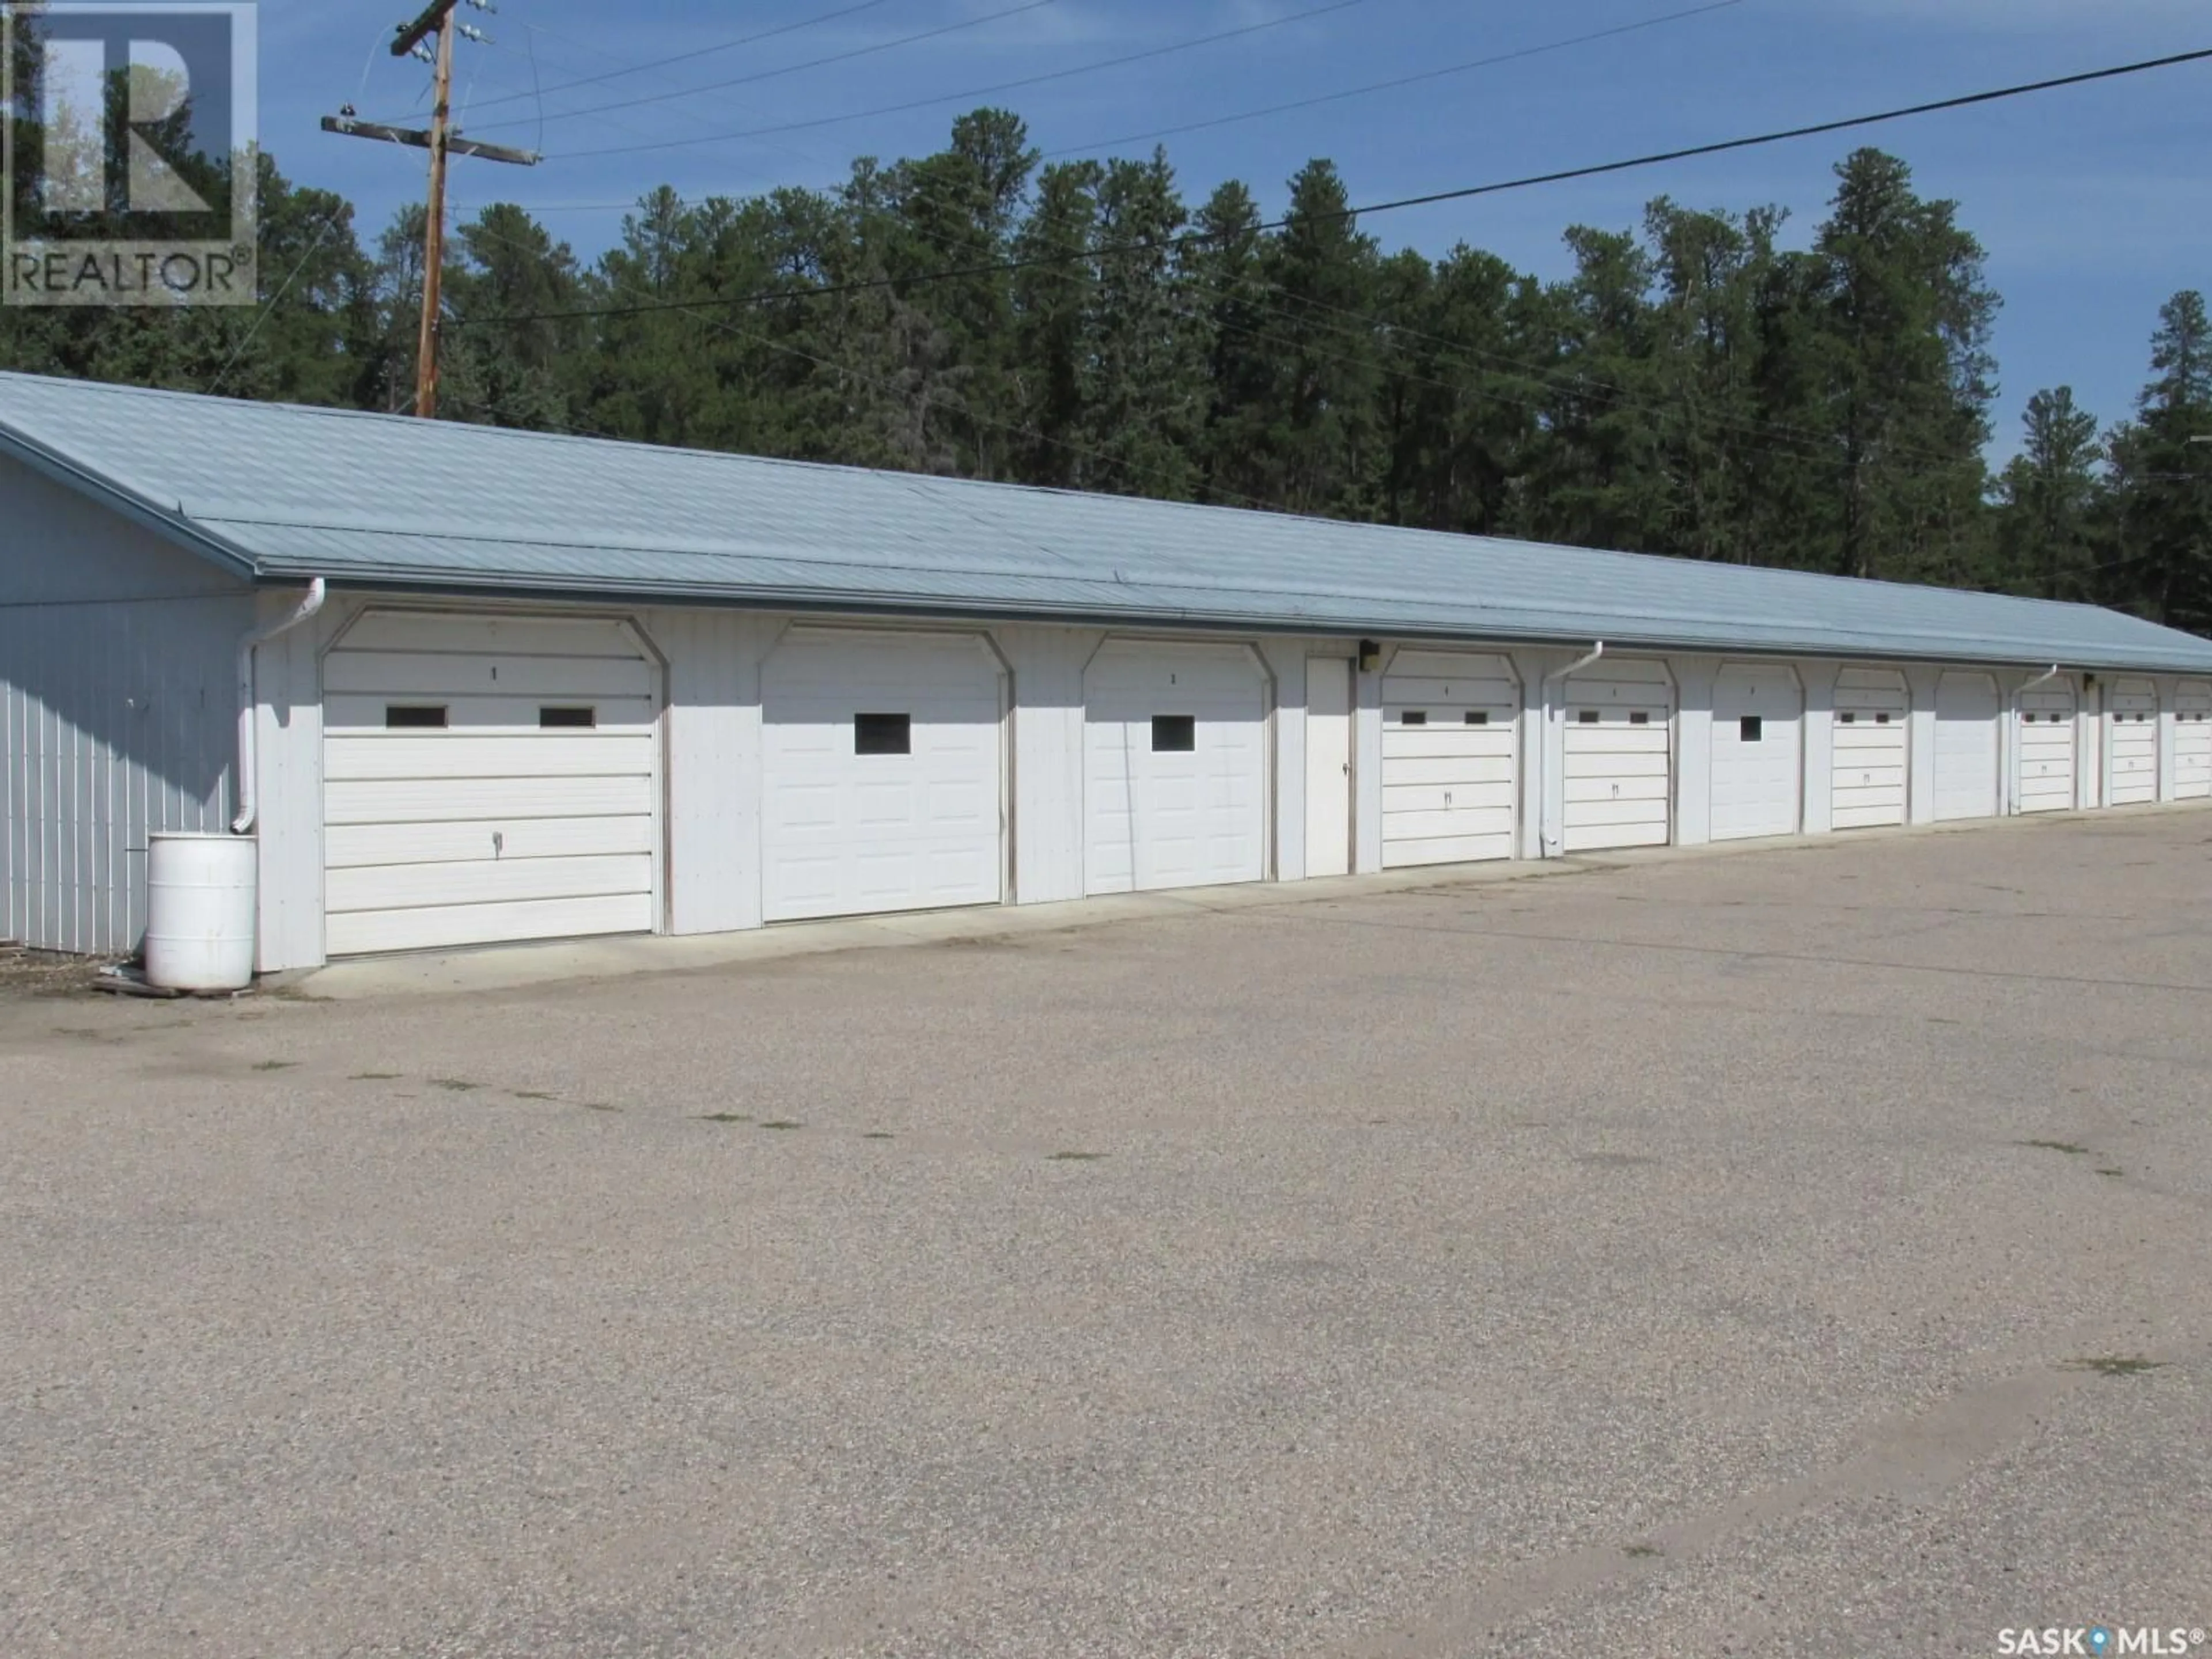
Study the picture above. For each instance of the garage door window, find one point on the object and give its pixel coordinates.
(1478, 717)
(1414, 717)
(415, 717)
(883, 734)
(1175, 734)
(568, 717)
(1752, 728)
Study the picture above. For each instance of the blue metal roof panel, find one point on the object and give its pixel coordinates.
(398, 502)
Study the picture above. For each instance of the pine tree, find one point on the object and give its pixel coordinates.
(1318, 436)
(1901, 343)
(2164, 477)
(1054, 298)
(2049, 500)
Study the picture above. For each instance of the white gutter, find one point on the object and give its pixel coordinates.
(2044, 678)
(1549, 840)
(248, 808)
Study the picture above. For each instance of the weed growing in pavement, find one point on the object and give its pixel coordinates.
(2118, 1365)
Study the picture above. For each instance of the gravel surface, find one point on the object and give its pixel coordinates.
(1791, 1252)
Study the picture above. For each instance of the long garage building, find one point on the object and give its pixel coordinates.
(466, 686)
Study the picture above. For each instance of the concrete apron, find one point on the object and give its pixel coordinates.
(508, 967)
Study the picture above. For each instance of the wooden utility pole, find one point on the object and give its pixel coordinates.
(441, 140)
(434, 227)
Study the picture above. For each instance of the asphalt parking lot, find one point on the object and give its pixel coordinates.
(1805, 1251)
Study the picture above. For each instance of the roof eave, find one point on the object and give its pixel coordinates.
(171, 524)
(402, 579)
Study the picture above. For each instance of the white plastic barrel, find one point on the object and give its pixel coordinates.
(199, 912)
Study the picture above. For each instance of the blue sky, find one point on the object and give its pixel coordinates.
(2093, 204)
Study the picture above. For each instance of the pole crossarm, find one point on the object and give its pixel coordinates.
(348, 127)
(412, 34)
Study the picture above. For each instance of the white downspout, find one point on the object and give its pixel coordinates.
(2011, 739)
(248, 807)
(1548, 838)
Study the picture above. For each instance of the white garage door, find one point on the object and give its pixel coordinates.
(1759, 722)
(1619, 773)
(2193, 740)
(2134, 705)
(879, 773)
(486, 779)
(1966, 708)
(1450, 736)
(2046, 747)
(1868, 772)
(1174, 775)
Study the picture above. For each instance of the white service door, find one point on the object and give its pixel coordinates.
(1619, 772)
(1868, 769)
(2133, 716)
(2193, 740)
(1174, 768)
(1328, 766)
(1759, 722)
(1966, 710)
(486, 779)
(879, 773)
(2046, 747)
(1450, 742)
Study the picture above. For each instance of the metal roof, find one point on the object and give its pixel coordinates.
(281, 493)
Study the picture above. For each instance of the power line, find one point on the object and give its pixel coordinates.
(1401, 81)
(976, 22)
(1429, 199)
(539, 32)
(687, 56)
(996, 87)
(330, 223)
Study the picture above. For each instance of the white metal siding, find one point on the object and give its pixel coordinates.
(494, 828)
(118, 711)
(1619, 749)
(2046, 747)
(1869, 748)
(1966, 711)
(116, 721)
(2193, 740)
(2134, 761)
(1157, 819)
(850, 833)
(1758, 745)
(1451, 744)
